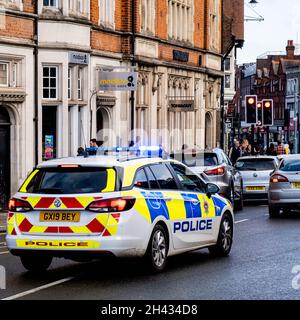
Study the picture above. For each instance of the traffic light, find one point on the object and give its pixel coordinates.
(251, 116)
(268, 112)
(259, 114)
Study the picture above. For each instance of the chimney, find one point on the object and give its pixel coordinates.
(290, 49)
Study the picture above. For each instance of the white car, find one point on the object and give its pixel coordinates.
(85, 207)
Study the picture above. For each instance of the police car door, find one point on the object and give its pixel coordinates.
(198, 226)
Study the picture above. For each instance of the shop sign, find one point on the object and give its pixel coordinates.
(117, 81)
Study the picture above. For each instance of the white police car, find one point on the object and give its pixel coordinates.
(85, 207)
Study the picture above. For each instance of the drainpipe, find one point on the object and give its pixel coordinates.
(133, 63)
(36, 96)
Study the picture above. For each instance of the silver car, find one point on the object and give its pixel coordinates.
(214, 166)
(284, 191)
(256, 171)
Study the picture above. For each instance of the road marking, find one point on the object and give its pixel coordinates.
(46, 286)
(241, 221)
(4, 252)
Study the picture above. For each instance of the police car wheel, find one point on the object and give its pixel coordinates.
(157, 249)
(36, 263)
(223, 246)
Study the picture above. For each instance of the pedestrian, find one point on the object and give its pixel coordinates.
(246, 148)
(291, 146)
(280, 149)
(286, 148)
(235, 152)
(93, 143)
(271, 151)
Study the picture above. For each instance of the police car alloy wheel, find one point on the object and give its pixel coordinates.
(223, 246)
(36, 263)
(158, 249)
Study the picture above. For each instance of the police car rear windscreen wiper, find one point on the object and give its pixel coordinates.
(49, 190)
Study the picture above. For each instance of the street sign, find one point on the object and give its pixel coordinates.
(79, 58)
(117, 81)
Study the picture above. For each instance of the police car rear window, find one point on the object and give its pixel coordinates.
(72, 181)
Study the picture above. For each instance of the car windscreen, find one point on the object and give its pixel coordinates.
(206, 159)
(72, 180)
(290, 166)
(255, 164)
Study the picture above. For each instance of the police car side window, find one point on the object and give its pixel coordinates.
(152, 181)
(164, 177)
(141, 180)
(188, 180)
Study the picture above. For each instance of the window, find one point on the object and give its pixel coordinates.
(214, 24)
(227, 64)
(3, 74)
(69, 83)
(180, 20)
(141, 180)
(50, 83)
(79, 84)
(188, 180)
(148, 16)
(227, 81)
(14, 74)
(79, 7)
(50, 3)
(255, 164)
(107, 13)
(164, 177)
(152, 181)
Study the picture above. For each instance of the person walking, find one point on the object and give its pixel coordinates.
(271, 151)
(280, 149)
(246, 148)
(235, 152)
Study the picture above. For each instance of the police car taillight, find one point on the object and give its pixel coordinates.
(276, 178)
(112, 205)
(17, 205)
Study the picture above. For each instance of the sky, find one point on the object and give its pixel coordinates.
(281, 22)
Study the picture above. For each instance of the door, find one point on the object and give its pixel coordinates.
(198, 227)
(4, 158)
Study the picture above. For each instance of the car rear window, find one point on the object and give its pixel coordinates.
(255, 164)
(72, 180)
(197, 159)
(292, 166)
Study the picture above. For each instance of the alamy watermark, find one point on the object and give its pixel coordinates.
(2, 278)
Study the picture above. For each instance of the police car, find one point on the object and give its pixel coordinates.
(82, 208)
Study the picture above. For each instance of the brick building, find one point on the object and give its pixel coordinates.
(51, 53)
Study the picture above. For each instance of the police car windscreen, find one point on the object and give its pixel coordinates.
(206, 159)
(69, 180)
(255, 164)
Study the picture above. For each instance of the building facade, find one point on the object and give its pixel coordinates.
(51, 55)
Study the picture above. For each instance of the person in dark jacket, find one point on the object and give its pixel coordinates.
(235, 152)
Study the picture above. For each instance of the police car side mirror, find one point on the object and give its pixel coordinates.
(211, 189)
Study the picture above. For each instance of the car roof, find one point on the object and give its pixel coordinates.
(101, 161)
(258, 157)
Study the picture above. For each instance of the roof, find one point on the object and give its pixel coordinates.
(258, 157)
(99, 161)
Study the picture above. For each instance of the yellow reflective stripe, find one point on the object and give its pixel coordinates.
(19, 218)
(140, 203)
(81, 229)
(33, 200)
(112, 230)
(112, 221)
(176, 206)
(11, 220)
(38, 229)
(129, 173)
(10, 228)
(111, 181)
(85, 201)
(26, 183)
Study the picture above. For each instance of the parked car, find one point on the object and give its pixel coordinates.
(284, 191)
(214, 166)
(256, 171)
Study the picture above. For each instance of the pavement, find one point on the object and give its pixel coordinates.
(264, 264)
(3, 216)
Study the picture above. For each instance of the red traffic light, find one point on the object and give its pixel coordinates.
(267, 104)
(259, 105)
(250, 100)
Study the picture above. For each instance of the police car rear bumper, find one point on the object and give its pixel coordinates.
(68, 246)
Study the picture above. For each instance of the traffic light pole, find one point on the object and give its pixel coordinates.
(252, 139)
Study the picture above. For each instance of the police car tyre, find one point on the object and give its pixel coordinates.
(274, 212)
(224, 244)
(36, 263)
(157, 252)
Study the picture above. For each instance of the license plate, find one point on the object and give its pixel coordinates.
(296, 185)
(255, 188)
(59, 216)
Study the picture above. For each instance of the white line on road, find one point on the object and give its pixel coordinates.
(46, 286)
(241, 221)
(4, 252)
